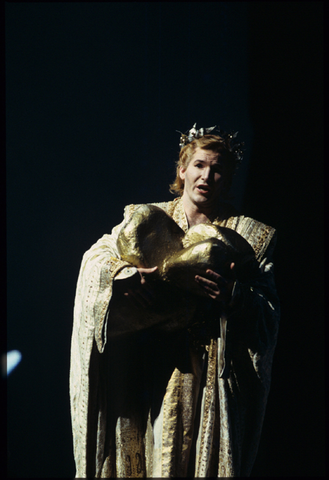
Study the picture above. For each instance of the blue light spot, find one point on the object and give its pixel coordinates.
(13, 359)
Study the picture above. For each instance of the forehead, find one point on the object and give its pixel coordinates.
(206, 156)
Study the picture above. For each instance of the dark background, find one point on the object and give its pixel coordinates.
(94, 94)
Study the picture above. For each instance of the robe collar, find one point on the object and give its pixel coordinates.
(221, 213)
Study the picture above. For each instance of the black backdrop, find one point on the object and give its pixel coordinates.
(94, 94)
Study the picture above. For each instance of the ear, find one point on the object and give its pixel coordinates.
(182, 171)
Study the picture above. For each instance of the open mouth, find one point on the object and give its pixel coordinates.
(203, 189)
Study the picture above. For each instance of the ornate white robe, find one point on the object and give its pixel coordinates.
(153, 404)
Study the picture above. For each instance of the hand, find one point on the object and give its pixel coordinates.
(142, 294)
(217, 287)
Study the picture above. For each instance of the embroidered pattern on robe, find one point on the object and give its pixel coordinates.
(190, 421)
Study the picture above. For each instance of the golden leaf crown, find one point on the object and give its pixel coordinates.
(193, 133)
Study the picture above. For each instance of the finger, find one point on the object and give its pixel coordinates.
(214, 294)
(219, 278)
(146, 283)
(232, 271)
(147, 270)
(144, 272)
(206, 281)
(210, 288)
(218, 294)
(213, 274)
(211, 291)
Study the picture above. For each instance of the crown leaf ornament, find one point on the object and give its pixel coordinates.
(194, 133)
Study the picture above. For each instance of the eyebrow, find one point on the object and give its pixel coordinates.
(203, 161)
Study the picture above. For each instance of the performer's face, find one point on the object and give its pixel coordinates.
(203, 178)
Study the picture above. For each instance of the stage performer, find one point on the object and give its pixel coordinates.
(175, 324)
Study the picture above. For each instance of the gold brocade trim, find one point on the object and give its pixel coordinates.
(179, 215)
(225, 458)
(170, 419)
(228, 222)
(107, 274)
(189, 399)
(130, 209)
(256, 233)
(178, 421)
(175, 210)
(209, 413)
(130, 453)
(264, 241)
(148, 447)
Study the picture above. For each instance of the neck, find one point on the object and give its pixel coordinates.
(194, 213)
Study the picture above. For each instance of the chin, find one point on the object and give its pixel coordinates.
(208, 202)
(205, 202)
(201, 199)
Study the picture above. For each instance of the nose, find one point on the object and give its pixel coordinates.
(206, 174)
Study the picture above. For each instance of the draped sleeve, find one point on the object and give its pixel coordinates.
(101, 264)
(252, 330)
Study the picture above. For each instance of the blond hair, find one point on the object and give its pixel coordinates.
(214, 143)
